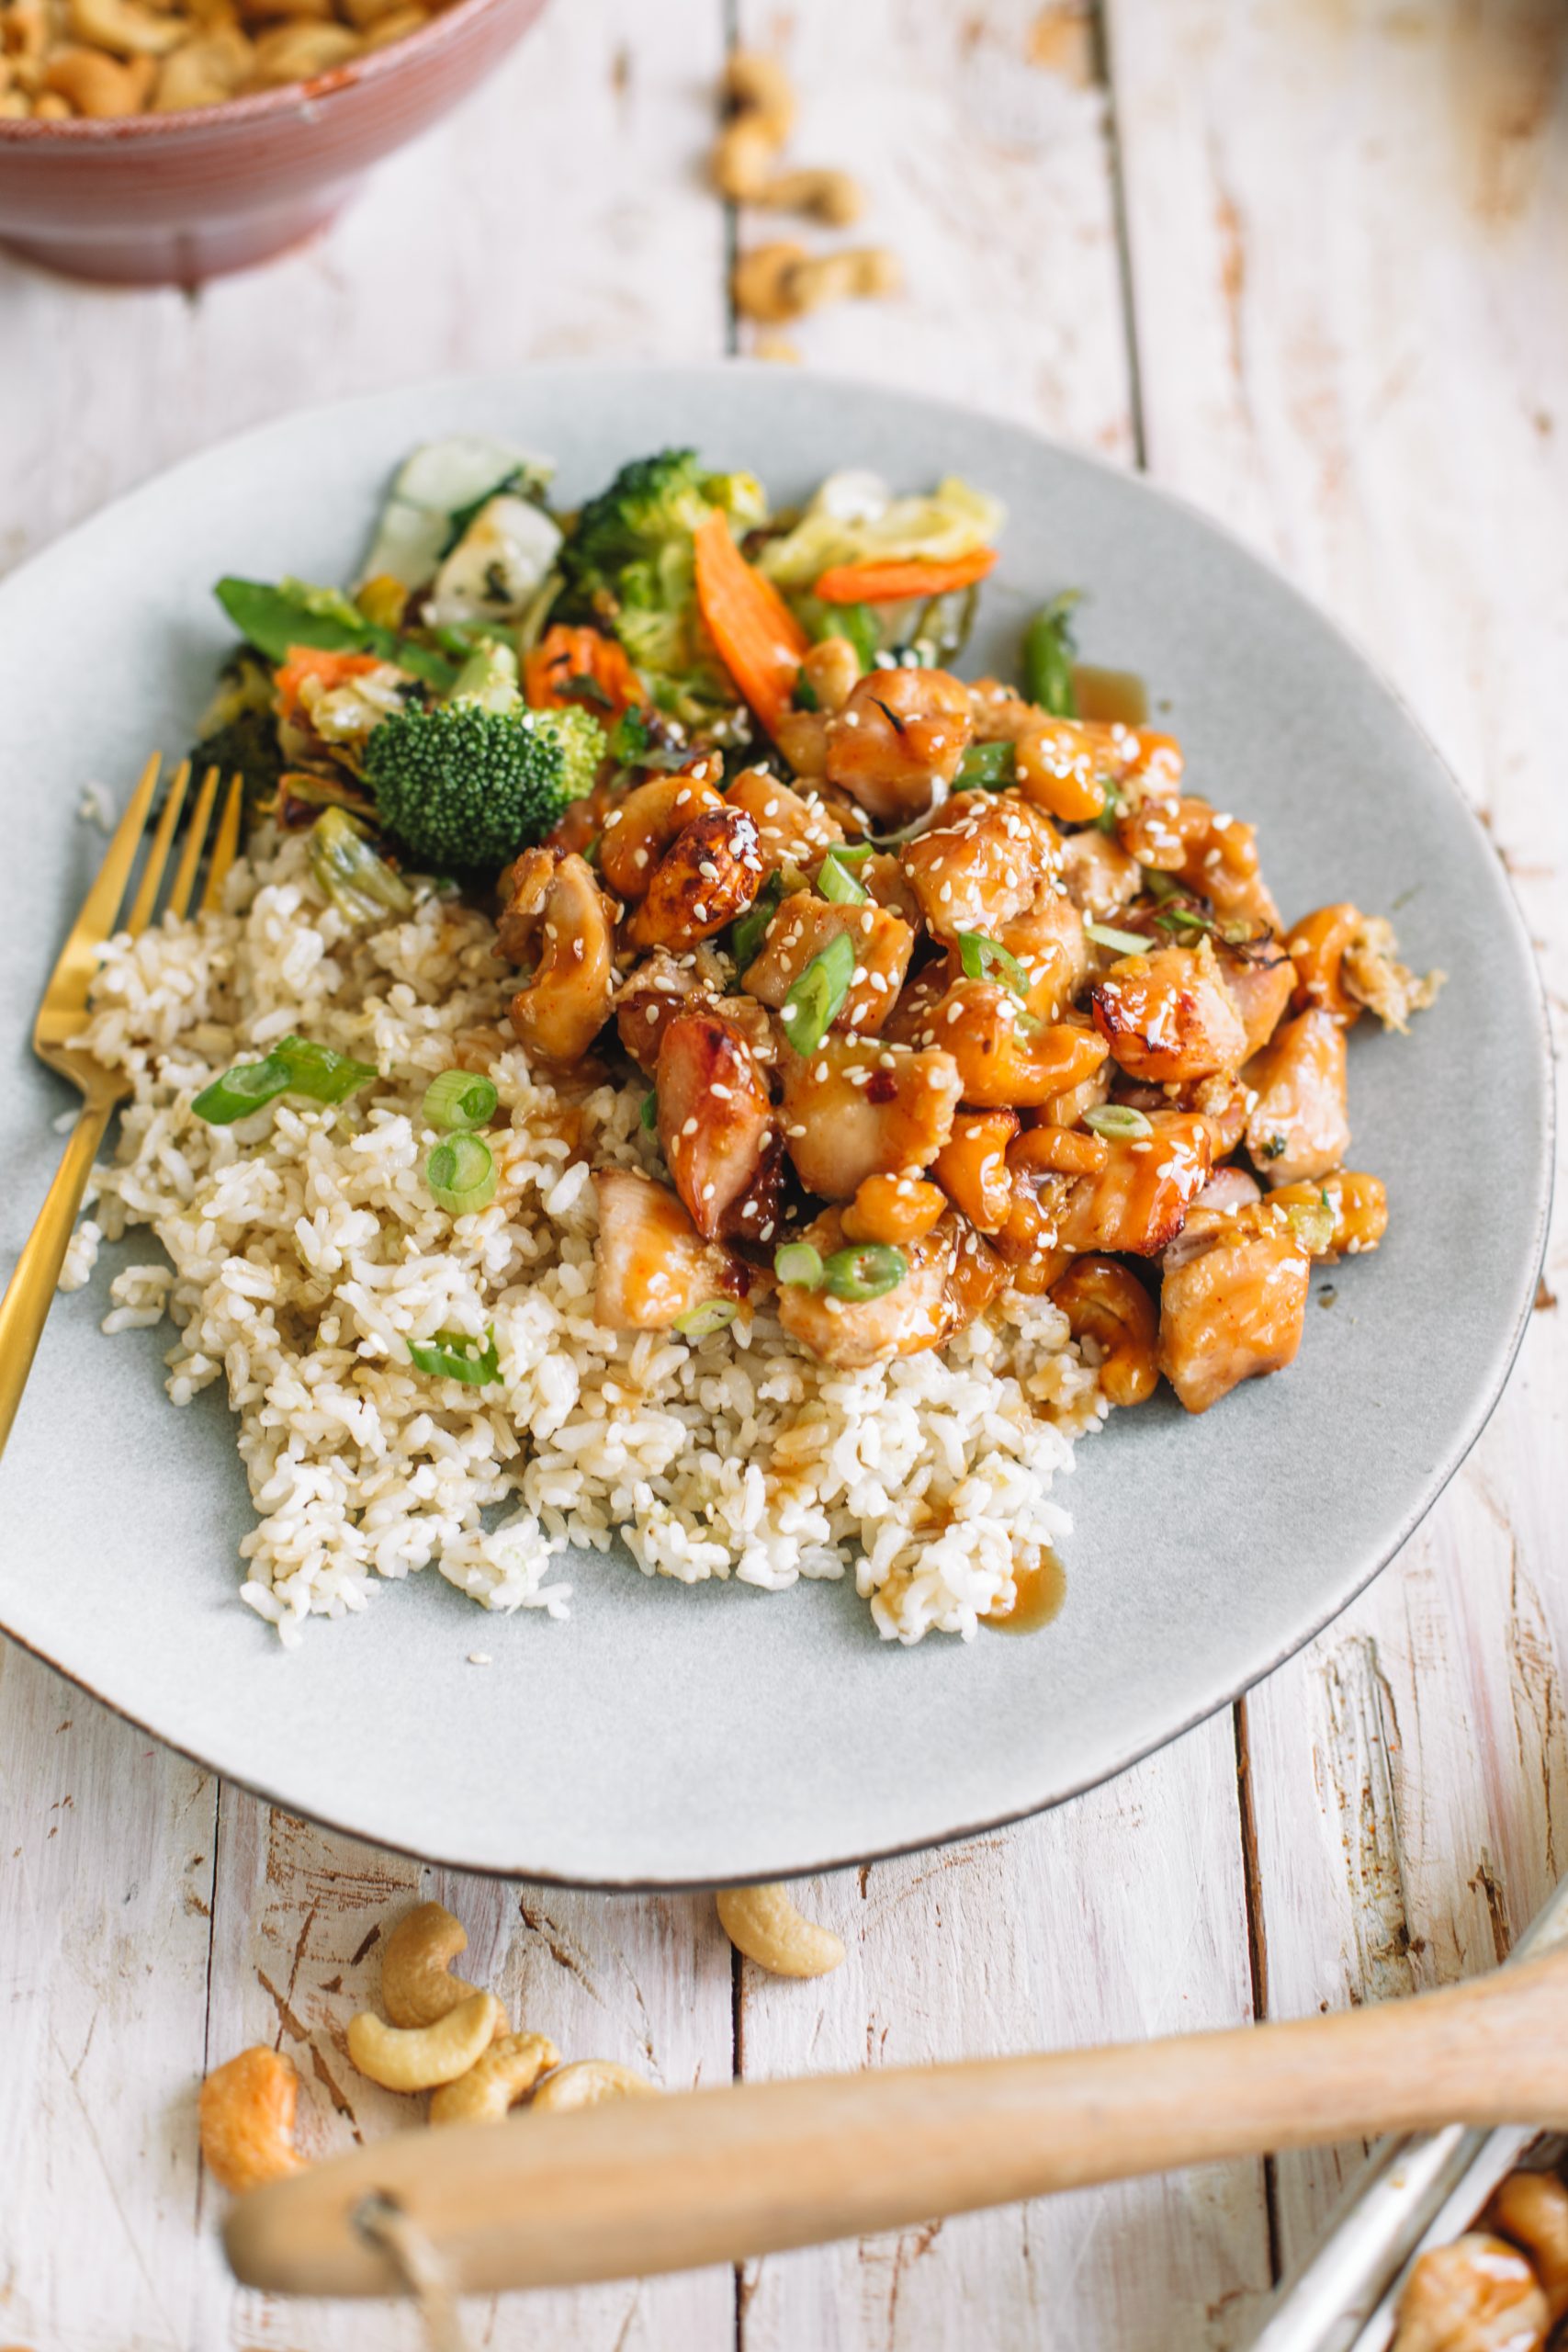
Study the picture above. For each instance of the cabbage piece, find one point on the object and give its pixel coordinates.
(497, 566)
(854, 518)
(435, 492)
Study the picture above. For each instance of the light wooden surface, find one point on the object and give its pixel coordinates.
(1306, 261)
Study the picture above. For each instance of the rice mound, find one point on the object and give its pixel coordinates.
(306, 1251)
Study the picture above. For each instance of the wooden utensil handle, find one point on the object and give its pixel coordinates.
(714, 2176)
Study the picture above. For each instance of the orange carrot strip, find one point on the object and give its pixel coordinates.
(563, 654)
(892, 582)
(759, 642)
(316, 661)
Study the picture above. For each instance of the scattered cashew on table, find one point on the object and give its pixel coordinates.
(444, 2035)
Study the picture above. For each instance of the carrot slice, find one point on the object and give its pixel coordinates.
(554, 673)
(316, 661)
(759, 642)
(892, 582)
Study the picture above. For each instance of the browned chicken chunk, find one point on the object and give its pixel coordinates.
(1299, 1127)
(982, 861)
(1169, 1016)
(1478, 2294)
(853, 1110)
(899, 738)
(716, 1121)
(654, 1266)
(1236, 1304)
(1260, 983)
(802, 929)
(793, 827)
(1138, 1201)
(917, 1313)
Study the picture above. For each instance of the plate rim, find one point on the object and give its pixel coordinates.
(1137, 478)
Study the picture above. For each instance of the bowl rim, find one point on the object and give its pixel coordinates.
(300, 98)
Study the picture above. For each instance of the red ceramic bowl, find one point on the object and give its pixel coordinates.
(157, 200)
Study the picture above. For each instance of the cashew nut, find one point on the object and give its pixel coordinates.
(763, 1923)
(757, 87)
(416, 2058)
(416, 1988)
(1103, 1302)
(506, 2072)
(784, 281)
(588, 2082)
(300, 50)
(742, 158)
(97, 86)
(638, 832)
(204, 72)
(834, 196)
(49, 107)
(558, 912)
(123, 28)
(246, 2113)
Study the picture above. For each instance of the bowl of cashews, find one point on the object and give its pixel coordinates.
(166, 142)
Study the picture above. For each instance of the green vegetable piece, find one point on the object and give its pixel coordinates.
(817, 998)
(240, 1091)
(797, 1263)
(858, 623)
(649, 1114)
(487, 678)
(460, 1174)
(1313, 1225)
(273, 619)
(1048, 658)
(805, 696)
(1125, 943)
(452, 1355)
(837, 884)
(319, 1072)
(869, 1270)
(459, 1098)
(986, 767)
(982, 956)
(462, 787)
(703, 1321)
(352, 872)
(1118, 1122)
(747, 930)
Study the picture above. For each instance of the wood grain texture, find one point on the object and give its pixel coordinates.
(1348, 354)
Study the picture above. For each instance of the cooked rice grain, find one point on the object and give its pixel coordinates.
(306, 1252)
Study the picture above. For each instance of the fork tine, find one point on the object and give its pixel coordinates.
(195, 837)
(223, 848)
(101, 904)
(146, 897)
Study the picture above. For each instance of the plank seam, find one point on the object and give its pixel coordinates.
(1105, 73)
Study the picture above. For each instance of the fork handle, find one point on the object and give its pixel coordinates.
(29, 1293)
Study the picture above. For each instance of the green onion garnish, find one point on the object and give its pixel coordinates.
(797, 1263)
(703, 1321)
(1118, 1122)
(1112, 810)
(985, 766)
(453, 1355)
(747, 930)
(836, 882)
(867, 1271)
(1313, 1223)
(459, 1097)
(1048, 658)
(649, 1114)
(980, 957)
(460, 1174)
(1125, 943)
(806, 697)
(851, 853)
(316, 1070)
(817, 998)
(239, 1091)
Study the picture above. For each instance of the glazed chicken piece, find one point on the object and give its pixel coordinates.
(916, 1314)
(897, 739)
(1063, 763)
(1048, 941)
(1006, 1059)
(654, 1266)
(1214, 855)
(1477, 2295)
(1138, 1201)
(982, 861)
(1299, 1127)
(882, 877)
(803, 927)
(793, 828)
(1234, 1306)
(1260, 982)
(716, 1121)
(853, 1110)
(1100, 878)
(1169, 1017)
(711, 872)
(663, 986)
(557, 920)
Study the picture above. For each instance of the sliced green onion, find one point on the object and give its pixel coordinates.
(1118, 1122)
(805, 696)
(851, 853)
(1313, 1223)
(453, 1355)
(749, 930)
(797, 1263)
(980, 957)
(460, 1174)
(355, 876)
(703, 1321)
(817, 998)
(988, 767)
(239, 1091)
(1125, 943)
(318, 1071)
(837, 884)
(1113, 807)
(867, 1271)
(459, 1098)
(649, 1114)
(1048, 658)
(1172, 918)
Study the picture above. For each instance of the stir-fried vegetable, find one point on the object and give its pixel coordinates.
(460, 1174)
(893, 581)
(352, 871)
(293, 1065)
(275, 620)
(453, 1355)
(761, 641)
(817, 998)
(459, 1098)
(1048, 658)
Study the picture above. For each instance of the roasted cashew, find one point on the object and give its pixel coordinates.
(833, 196)
(742, 158)
(204, 72)
(1104, 1302)
(502, 2074)
(298, 50)
(419, 2057)
(763, 1923)
(639, 829)
(589, 2082)
(558, 907)
(416, 1988)
(784, 281)
(756, 88)
(247, 2112)
(98, 86)
(123, 28)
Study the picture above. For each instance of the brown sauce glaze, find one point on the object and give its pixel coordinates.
(1041, 1592)
(1111, 694)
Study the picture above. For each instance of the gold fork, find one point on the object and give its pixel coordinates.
(63, 1015)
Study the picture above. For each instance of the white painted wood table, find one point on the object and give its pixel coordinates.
(1305, 263)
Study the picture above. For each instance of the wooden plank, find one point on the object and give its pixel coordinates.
(1370, 384)
(106, 1878)
(987, 164)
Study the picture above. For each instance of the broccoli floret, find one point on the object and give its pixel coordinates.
(462, 787)
(630, 564)
(247, 742)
